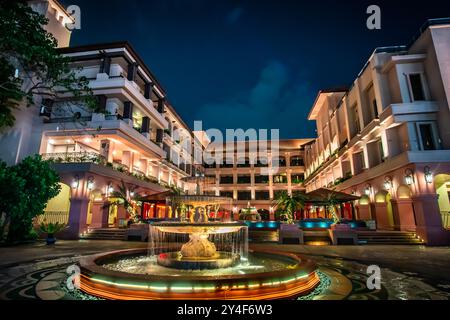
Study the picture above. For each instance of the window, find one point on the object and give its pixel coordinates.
(243, 163)
(297, 162)
(381, 151)
(426, 134)
(355, 119)
(226, 180)
(226, 194)
(415, 82)
(244, 180)
(227, 163)
(280, 179)
(261, 162)
(297, 178)
(262, 195)
(375, 108)
(280, 162)
(244, 195)
(261, 179)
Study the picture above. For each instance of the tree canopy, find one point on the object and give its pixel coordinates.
(30, 64)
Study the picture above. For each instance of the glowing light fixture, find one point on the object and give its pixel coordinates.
(75, 182)
(368, 189)
(388, 183)
(409, 177)
(428, 175)
(110, 188)
(90, 183)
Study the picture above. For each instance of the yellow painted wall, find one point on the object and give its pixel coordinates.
(61, 202)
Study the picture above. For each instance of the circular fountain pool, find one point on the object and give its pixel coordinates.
(197, 260)
(133, 274)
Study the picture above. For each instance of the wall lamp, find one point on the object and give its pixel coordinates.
(409, 177)
(428, 175)
(367, 189)
(90, 183)
(388, 183)
(110, 188)
(75, 182)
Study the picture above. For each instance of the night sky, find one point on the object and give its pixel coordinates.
(251, 64)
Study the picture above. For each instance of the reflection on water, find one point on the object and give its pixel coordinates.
(147, 265)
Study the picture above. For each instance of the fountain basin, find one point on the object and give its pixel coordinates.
(220, 260)
(294, 277)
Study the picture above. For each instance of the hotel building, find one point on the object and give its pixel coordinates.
(387, 138)
(136, 136)
(252, 175)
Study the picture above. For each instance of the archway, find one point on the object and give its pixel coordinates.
(442, 183)
(363, 208)
(57, 209)
(403, 210)
(383, 210)
(95, 196)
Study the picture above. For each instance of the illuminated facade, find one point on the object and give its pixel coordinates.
(253, 177)
(386, 138)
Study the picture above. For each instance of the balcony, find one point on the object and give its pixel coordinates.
(90, 161)
(403, 112)
(129, 89)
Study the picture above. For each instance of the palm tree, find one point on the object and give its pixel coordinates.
(331, 204)
(289, 204)
(124, 198)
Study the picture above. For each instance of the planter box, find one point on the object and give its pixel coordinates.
(290, 234)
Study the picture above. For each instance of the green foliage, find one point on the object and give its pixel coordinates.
(25, 190)
(288, 204)
(123, 198)
(30, 64)
(52, 228)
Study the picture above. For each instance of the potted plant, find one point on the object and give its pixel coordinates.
(51, 229)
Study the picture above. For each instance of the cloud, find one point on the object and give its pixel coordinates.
(234, 15)
(276, 101)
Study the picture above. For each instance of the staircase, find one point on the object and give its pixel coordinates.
(388, 237)
(105, 234)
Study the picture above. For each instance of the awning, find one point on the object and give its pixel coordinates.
(322, 196)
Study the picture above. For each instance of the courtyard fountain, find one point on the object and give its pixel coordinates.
(195, 258)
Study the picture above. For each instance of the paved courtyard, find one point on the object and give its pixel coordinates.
(408, 272)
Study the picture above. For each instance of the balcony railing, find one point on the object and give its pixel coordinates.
(61, 217)
(75, 157)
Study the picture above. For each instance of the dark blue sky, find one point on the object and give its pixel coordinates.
(251, 64)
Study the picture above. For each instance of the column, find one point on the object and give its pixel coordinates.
(146, 127)
(132, 71)
(128, 112)
(403, 214)
(106, 150)
(105, 67)
(77, 218)
(429, 220)
(148, 88)
(100, 115)
(127, 160)
(412, 136)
